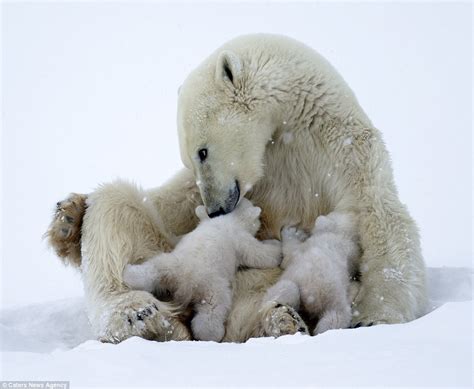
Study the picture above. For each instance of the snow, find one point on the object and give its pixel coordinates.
(53, 341)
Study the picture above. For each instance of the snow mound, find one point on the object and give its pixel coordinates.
(45, 327)
(54, 341)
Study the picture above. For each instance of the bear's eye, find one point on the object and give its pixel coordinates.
(202, 154)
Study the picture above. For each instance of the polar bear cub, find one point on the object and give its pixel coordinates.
(201, 268)
(317, 271)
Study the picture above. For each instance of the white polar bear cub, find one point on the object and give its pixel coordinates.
(317, 271)
(201, 268)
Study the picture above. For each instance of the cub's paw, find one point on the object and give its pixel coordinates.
(273, 243)
(273, 252)
(64, 232)
(138, 277)
(205, 327)
(293, 233)
(138, 313)
(333, 320)
(281, 320)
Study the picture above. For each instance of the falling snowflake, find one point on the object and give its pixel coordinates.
(348, 141)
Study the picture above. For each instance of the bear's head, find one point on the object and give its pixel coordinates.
(224, 125)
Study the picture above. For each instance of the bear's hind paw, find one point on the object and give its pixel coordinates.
(282, 320)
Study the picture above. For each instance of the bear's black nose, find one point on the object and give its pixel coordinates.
(227, 205)
(217, 213)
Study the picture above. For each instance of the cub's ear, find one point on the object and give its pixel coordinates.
(258, 211)
(254, 212)
(228, 69)
(201, 212)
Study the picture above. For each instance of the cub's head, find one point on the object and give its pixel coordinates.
(224, 124)
(246, 215)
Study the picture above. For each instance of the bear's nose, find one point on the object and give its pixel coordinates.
(217, 213)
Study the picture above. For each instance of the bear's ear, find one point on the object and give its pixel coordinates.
(201, 212)
(229, 68)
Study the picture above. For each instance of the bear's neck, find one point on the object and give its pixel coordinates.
(304, 159)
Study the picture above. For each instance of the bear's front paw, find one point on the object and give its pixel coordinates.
(281, 320)
(138, 313)
(64, 232)
(374, 309)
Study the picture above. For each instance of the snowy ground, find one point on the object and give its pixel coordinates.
(53, 341)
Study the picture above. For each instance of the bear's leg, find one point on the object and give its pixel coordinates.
(121, 226)
(211, 314)
(392, 288)
(175, 201)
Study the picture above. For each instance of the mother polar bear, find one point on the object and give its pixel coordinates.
(268, 118)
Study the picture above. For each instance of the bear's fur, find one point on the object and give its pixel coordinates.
(317, 271)
(202, 267)
(281, 127)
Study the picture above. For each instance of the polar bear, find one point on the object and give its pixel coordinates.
(317, 271)
(268, 118)
(201, 268)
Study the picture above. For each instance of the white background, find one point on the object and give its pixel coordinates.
(89, 94)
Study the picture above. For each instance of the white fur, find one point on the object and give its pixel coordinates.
(202, 267)
(317, 271)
